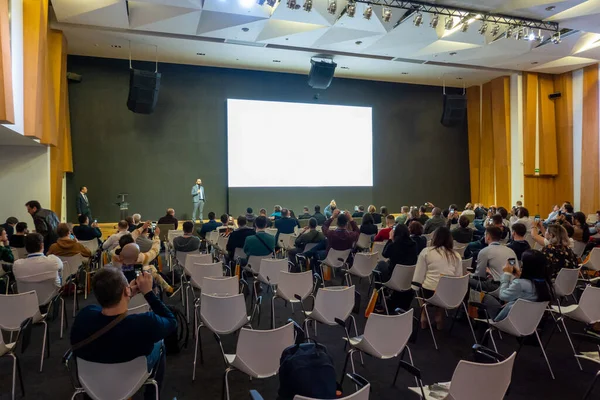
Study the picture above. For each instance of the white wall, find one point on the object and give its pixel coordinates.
(24, 176)
(16, 45)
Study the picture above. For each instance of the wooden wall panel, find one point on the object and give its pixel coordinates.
(474, 128)
(590, 174)
(563, 189)
(530, 87)
(501, 138)
(548, 158)
(35, 20)
(486, 157)
(7, 107)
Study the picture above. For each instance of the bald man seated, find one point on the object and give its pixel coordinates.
(169, 219)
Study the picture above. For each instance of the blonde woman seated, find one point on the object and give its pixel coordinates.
(433, 262)
(556, 247)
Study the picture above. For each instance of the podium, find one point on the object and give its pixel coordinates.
(123, 204)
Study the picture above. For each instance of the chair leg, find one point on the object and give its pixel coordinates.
(345, 367)
(589, 391)
(43, 345)
(420, 384)
(362, 361)
(544, 353)
(198, 343)
(469, 321)
(273, 311)
(62, 316)
(571, 343)
(493, 341)
(74, 299)
(226, 384)
(382, 294)
(430, 327)
(14, 376)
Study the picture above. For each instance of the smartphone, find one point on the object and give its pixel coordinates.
(537, 218)
(139, 269)
(452, 211)
(95, 221)
(512, 261)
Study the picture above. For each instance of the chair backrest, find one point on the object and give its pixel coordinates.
(200, 271)
(364, 264)
(271, 231)
(466, 264)
(578, 248)
(239, 253)
(91, 245)
(255, 261)
(172, 234)
(333, 257)
(260, 350)
(196, 258)
(286, 240)
(137, 300)
(309, 246)
(223, 314)
(364, 241)
(303, 222)
(526, 315)
(378, 248)
(388, 334)
(590, 299)
(164, 231)
(45, 289)
(144, 308)
(270, 268)
(112, 381)
(290, 284)
(481, 381)
(362, 394)
(451, 290)
(71, 265)
(402, 276)
(593, 261)
(335, 302)
(460, 248)
(16, 308)
(221, 285)
(222, 242)
(566, 280)
(212, 237)
(428, 236)
(18, 253)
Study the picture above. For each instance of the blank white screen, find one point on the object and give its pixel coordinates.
(276, 144)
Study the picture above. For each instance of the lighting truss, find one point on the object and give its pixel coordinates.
(461, 12)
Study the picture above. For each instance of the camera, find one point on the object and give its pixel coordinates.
(138, 269)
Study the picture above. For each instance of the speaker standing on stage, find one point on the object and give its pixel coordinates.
(83, 204)
(198, 198)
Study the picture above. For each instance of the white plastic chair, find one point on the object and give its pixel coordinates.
(254, 262)
(566, 281)
(270, 269)
(286, 241)
(467, 265)
(588, 309)
(144, 308)
(8, 349)
(363, 266)
(378, 248)
(363, 242)
(578, 248)
(222, 315)
(16, 308)
(460, 249)
(593, 262)
(289, 285)
(238, 253)
(46, 292)
(449, 295)
(18, 253)
(331, 303)
(400, 281)
(113, 381)
(172, 234)
(334, 259)
(309, 246)
(197, 274)
(187, 260)
(258, 353)
(91, 245)
(71, 266)
(222, 243)
(522, 320)
(271, 231)
(221, 285)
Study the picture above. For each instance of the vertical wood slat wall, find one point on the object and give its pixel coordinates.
(501, 133)
(590, 168)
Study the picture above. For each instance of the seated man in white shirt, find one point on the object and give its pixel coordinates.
(491, 261)
(113, 241)
(37, 267)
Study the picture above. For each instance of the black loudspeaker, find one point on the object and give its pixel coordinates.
(143, 91)
(553, 96)
(455, 109)
(321, 74)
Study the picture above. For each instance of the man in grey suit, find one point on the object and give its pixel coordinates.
(198, 199)
(83, 204)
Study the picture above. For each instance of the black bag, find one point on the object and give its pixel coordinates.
(178, 339)
(306, 369)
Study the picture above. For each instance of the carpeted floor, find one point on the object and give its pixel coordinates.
(531, 379)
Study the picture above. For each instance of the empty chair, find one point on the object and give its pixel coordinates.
(258, 353)
(113, 381)
(522, 320)
(578, 248)
(566, 281)
(331, 303)
(164, 231)
(8, 349)
(47, 294)
(91, 245)
(400, 281)
(139, 309)
(69, 277)
(378, 248)
(448, 295)
(181, 257)
(269, 270)
(593, 262)
(335, 259)
(363, 266)
(222, 315)
(254, 262)
(289, 286)
(221, 285)
(197, 274)
(363, 242)
(238, 253)
(222, 243)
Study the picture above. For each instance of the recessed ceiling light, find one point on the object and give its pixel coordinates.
(276, 61)
(116, 46)
(200, 54)
(404, 73)
(245, 29)
(358, 42)
(550, 8)
(344, 68)
(452, 53)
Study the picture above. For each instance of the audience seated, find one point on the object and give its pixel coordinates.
(225, 227)
(305, 214)
(169, 218)
(518, 244)
(330, 208)
(66, 246)
(263, 213)
(318, 216)
(285, 224)
(45, 222)
(368, 226)
(528, 282)
(462, 233)
(37, 267)
(276, 212)
(403, 217)
(491, 261)
(377, 219)
(9, 226)
(480, 211)
(137, 221)
(553, 214)
(237, 238)
(473, 248)
(86, 232)
(468, 212)
(188, 242)
(345, 235)
(581, 230)
(413, 215)
(261, 244)
(309, 234)
(433, 262)
(596, 228)
(359, 213)
(250, 216)
(416, 234)
(383, 210)
(18, 238)
(557, 247)
(6, 254)
(209, 226)
(399, 249)
(435, 221)
(129, 336)
(384, 233)
(567, 211)
(144, 241)
(113, 240)
(130, 224)
(522, 217)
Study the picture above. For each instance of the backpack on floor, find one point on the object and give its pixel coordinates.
(306, 369)
(178, 339)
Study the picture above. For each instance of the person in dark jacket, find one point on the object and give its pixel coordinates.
(169, 218)
(416, 234)
(518, 244)
(400, 249)
(45, 222)
(368, 226)
(462, 233)
(9, 226)
(321, 218)
(238, 237)
(86, 232)
(305, 214)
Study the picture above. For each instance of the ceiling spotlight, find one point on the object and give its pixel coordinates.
(351, 9)
(386, 15)
(368, 12)
(291, 4)
(449, 23)
(464, 27)
(531, 37)
(332, 7)
(495, 30)
(509, 32)
(540, 36)
(271, 3)
(434, 21)
(556, 38)
(520, 33)
(418, 19)
(483, 28)
(308, 5)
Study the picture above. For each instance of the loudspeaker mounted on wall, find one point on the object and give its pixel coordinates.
(321, 72)
(455, 109)
(143, 91)
(553, 96)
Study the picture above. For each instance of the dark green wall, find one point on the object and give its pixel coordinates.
(156, 158)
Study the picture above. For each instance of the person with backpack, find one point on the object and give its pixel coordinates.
(106, 334)
(261, 244)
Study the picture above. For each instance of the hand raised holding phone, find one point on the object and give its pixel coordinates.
(144, 282)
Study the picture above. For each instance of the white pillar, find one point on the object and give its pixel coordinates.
(577, 135)
(516, 138)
